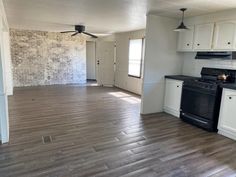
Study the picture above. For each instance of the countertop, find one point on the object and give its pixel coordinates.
(229, 86)
(180, 77)
(184, 78)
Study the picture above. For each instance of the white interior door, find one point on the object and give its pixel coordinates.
(105, 63)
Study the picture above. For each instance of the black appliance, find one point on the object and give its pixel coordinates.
(200, 103)
(216, 55)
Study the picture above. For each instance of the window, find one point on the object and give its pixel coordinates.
(135, 57)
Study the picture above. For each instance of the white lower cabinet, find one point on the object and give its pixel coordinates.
(173, 93)
(227, 118)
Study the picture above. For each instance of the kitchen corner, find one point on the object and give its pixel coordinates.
(206, 102)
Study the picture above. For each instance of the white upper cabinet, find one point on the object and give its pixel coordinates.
(224, 38)
(185, 42)
(215, 36)
(203, 37)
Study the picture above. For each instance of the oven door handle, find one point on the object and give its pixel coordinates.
(194, 118)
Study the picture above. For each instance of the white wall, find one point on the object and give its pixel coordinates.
(2, 62)
(8, 63)
(193, 67)
(91, 60)
(7, 84)
(111, 38)
(122, 80)
(160, 59)
(4, 120)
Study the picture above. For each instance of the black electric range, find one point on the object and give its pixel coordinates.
(201, 98)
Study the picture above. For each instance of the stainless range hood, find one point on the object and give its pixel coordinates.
(216, 55)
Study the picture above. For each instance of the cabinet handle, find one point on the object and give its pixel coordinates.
(198, 44)
(229, 43)
(178, 86)
(230, 98)
(187, 44)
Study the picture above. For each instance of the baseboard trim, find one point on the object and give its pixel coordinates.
(172, 112)
(151, 114)
(227, 134)
(91, 79)
(126, 90)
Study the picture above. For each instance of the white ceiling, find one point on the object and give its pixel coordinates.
(101, 16)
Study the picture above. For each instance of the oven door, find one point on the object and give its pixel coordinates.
(198, 103)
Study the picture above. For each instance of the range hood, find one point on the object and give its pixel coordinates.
(216, 55)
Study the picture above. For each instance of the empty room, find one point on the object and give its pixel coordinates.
(117, 88)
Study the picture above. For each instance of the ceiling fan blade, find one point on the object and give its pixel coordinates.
(75, 34)
(67, 31)
(90, 34)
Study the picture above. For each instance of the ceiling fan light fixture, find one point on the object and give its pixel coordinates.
(80, 29)
(182, 26)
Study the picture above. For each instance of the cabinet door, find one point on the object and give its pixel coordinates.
(227, 120)
(225, 35)
(173, 94)
(203, 37)
(185, 41)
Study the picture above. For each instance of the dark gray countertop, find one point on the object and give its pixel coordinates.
(180, 77)
(184, 78)
(229, 86)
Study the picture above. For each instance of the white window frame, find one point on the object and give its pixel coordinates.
(141, 62)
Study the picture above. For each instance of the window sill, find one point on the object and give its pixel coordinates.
(137, 77)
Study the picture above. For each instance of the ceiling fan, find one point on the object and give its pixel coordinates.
(78, 30)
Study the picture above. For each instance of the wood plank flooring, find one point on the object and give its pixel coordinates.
(98, 132)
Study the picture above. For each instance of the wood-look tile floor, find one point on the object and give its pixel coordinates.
(95, 131)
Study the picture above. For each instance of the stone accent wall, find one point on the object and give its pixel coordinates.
(47, 58)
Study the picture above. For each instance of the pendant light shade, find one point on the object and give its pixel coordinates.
(182, 26)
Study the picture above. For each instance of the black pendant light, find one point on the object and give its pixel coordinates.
(182, 26)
